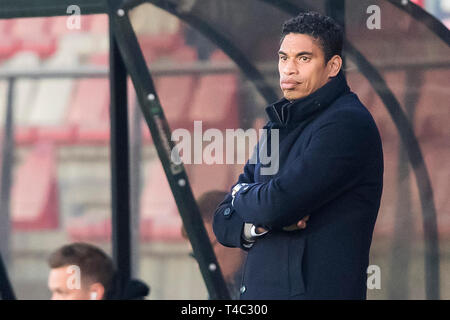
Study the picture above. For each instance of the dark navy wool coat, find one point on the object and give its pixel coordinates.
(330, 168)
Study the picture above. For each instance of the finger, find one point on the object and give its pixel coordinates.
(292, 227)
(260, 229)
(306, 218)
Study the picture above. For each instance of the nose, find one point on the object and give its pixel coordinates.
(289, 67)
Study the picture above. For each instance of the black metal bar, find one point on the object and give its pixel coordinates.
(6, 175)
(120, 175)
(46, 8)
(6, 290)
(159, 128)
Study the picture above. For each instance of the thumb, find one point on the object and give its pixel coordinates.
(301, 224)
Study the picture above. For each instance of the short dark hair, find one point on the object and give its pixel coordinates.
(322, 28)
(94, 264)
(208, 202)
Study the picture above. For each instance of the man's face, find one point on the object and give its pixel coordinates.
(301, 65)
(62, 285)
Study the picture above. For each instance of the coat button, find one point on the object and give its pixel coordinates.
(227, 212)
(243, 289)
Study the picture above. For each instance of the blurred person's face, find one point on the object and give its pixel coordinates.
(61, 285)
(229, 259)
(302, 66)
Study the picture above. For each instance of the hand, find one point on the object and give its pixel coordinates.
(297, 226)
(249, 235)
(261, 230)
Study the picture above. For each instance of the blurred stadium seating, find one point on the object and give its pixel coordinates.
(73, 113)
(35, 201)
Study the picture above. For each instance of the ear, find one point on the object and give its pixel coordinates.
(334, 66)
(96, 291)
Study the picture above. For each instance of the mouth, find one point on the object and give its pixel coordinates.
(288, 84)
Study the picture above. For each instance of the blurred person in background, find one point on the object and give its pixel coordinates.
(81, 271)
(230, 259)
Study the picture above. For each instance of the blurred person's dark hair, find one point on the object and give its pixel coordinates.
(208, 202)
(322, 28)
(96, 266)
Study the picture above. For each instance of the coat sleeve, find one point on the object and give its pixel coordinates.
(227, 225)
(332, 163)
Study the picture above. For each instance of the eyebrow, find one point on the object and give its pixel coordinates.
(301, 53)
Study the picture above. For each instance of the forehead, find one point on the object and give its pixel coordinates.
(58, 276)
(297, 42)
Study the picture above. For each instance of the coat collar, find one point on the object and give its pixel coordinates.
(285, 112)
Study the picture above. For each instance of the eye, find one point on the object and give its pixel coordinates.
(305, 58)
(284, 58)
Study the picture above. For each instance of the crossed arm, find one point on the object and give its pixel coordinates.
(330, 165)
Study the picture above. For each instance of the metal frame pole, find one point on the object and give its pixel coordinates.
(120, 173)
(6, 175)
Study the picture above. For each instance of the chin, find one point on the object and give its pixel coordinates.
(293, 95)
